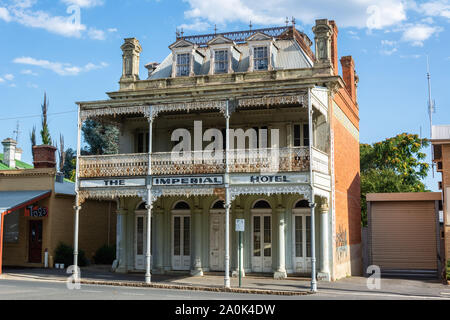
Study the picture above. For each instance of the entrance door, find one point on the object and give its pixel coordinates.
(35, 242)
(302, 243)
(140, 246)
(262, 243)
(181, 240)
(217, 242)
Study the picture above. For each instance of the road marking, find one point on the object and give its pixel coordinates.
(92, 291)
(446, 293)
(390, 295)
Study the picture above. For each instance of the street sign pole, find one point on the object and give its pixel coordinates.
(240, 260)
(240, 228)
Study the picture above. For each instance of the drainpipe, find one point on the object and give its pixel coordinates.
(312, 201)
(227, 200)
(148, 277)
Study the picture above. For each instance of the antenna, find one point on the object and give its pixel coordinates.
(17, 131)
(431, 103)
(431, 110)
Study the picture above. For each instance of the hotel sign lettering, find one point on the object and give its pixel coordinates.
(268, 179)
(188, 181)
(112, 183)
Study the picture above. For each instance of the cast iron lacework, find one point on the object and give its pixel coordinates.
(237, 36)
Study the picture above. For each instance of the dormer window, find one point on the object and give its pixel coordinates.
(221, 61)
(183, 64)
(260, 58)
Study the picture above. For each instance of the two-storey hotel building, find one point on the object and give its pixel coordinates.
(178, 213)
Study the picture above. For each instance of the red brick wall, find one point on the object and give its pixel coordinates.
(347, 187)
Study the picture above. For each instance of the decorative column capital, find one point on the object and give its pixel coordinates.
(77, 208)
(324, 208)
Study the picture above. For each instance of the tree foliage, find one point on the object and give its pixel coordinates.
(69, 164)
(101, 138)
(393, 165)
(45, 133)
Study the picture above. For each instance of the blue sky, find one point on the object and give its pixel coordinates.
(48, 46)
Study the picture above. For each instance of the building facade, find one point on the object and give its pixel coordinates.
(245, 125)
(36, 214)
(441, 156)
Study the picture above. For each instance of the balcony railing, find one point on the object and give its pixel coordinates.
(240, 161)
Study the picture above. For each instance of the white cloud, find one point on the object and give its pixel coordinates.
(9, 77)
(435, 8)
(63, 69)
(417, 34)
(28, 72)
(197, 25)
(84, 3)
(4, 14)
(23, 12)
(112, 30)
(351, 13)
(2, 80)
(96, 34)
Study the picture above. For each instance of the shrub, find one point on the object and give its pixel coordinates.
(105, 255)
(64, 254)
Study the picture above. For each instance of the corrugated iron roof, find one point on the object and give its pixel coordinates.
(10, 200)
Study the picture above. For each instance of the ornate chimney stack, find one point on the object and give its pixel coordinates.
(130, 71)
(323, 32)
(350, 77)
(9, 152)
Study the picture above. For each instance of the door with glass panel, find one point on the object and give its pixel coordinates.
(181, 242)
(302, 242)
(262, 243)
(140, 243)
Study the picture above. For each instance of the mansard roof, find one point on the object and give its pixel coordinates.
(289, 56)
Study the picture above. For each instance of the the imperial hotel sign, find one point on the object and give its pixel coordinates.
(253, 82)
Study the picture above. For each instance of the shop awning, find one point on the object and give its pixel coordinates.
(11, 201)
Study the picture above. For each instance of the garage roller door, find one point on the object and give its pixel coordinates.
(404, 236)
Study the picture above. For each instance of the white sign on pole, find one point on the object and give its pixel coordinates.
(240, 225)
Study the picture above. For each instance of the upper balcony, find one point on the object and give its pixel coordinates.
(240, 161)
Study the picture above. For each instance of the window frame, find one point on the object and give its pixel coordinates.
(225, 61)
(187, 66)
(256, 59)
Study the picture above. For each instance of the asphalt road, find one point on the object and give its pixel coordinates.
(41, 290)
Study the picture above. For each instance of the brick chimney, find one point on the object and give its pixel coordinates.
(9, 152)
(349, 75)
(334, 47)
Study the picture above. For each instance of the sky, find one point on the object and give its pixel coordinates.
(71, 50)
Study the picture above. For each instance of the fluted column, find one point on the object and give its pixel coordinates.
(281, 268)
(121, 261)
(324, 273)
(197, 270)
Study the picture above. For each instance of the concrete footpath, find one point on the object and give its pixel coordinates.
(252, 284)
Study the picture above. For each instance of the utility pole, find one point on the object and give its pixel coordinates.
(431, 110)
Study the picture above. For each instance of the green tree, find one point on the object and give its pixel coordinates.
(45, 133)
(70, 163)
(101, 138)
(393, 165)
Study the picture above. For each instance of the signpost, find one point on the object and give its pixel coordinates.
(240, 227)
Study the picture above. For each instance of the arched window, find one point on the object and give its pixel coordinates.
(182, 206)
(219, 205)
(262, 204)
(142, 206)
(302, 204)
